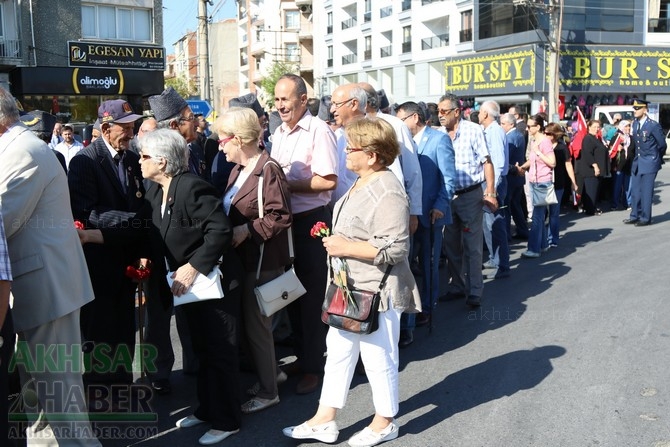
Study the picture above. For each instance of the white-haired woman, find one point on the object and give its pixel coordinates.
(186, 226)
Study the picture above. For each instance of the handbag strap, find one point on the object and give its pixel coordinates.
(261, 213)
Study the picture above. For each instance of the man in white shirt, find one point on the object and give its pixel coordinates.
(69, 146)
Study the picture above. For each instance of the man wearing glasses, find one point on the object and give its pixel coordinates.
(650, 147)
(106, 190)
(464, 237)
(304, 146)
(173, 112)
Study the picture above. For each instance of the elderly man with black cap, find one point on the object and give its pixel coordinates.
(650, 147)
(106, 190)
(173, 112)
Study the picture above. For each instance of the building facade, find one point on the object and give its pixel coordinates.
(275, 33)
(65, 57)
(610, 50)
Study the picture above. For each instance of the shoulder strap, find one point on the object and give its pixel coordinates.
(261, 213)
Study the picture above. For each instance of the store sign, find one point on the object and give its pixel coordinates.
(613, 69)
(97, 82)
(497, 72)
(103, 55)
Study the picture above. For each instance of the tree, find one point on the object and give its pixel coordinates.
(185, 88)
(276, 71)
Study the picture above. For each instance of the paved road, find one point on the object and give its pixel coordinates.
(572, 350)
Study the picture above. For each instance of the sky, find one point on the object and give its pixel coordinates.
(180, 16)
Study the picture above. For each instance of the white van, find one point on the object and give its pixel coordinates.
(605, 114)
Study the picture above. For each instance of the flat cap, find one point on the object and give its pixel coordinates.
(250, 101)
(167, 104)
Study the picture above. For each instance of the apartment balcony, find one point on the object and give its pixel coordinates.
(329, 29)
(367, 16)
(305, 31)
(386, 51)
(349, 23)
(329, 63)
(349, 59)
(258, 48)
(385, 11)
(406, 4)
(367, 55)
(406, 47)
(435, 42)
(10, 51)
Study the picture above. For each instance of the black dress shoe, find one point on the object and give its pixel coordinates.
(474, 301)
(641, 223)
(630, 221)
(449, 296)
(406, 338)
(422, 319)
(161, 386)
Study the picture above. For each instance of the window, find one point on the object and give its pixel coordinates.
(292, 19)
(367, 11)
(600, 15)
(330, 56)
(407, 39)
(292, 52)
(367, 55)
(116, 23)
(499, 18)
(466, 26)
(329, 18)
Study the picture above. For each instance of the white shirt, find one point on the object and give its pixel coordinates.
(69, 151)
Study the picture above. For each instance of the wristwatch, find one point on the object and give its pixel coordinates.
(490, 194)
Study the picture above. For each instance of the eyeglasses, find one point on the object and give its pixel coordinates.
(549, 134)
(337, 105)
(186, 118)
(349, 150)
(446, 111)
(226, 140)
(403, 119)
(145, 156)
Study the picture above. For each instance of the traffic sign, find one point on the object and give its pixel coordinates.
(200, 106)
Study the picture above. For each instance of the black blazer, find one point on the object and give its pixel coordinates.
(193, 228)
(98, 200)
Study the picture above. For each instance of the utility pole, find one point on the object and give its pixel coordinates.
(555, 11)
(203, 51)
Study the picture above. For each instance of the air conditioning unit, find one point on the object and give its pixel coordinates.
(301, 3)
(306, 9)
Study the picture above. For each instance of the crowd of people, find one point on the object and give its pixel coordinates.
(400, 188)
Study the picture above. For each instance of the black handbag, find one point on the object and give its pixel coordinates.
(360, 316)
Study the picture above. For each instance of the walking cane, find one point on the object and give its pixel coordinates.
(140, 309)
(430, 275)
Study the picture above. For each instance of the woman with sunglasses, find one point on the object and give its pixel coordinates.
(370, 232)
(563, 173)
(239, 132)
(541, 161)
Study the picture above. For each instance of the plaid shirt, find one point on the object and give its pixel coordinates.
(471, 152)
(5, 268)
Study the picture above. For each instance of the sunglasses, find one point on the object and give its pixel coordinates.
(446, 111)
(225, 141)
(349, 150)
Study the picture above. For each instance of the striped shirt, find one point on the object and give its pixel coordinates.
(5, 267)
(471, 154)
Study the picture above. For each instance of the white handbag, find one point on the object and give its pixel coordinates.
(286, 288)
(203, 288)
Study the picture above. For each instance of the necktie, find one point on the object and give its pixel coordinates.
(120, 171)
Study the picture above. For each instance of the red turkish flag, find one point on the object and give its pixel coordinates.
(576, 143)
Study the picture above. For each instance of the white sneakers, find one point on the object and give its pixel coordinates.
(215, 436)
(327, 432)
(189, 421)
(369, 438)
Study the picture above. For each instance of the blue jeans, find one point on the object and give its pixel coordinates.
(621, 190)
(537, 239)
(499, 229)
(554, 214)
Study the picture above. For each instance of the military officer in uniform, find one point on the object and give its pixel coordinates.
(650, 146)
